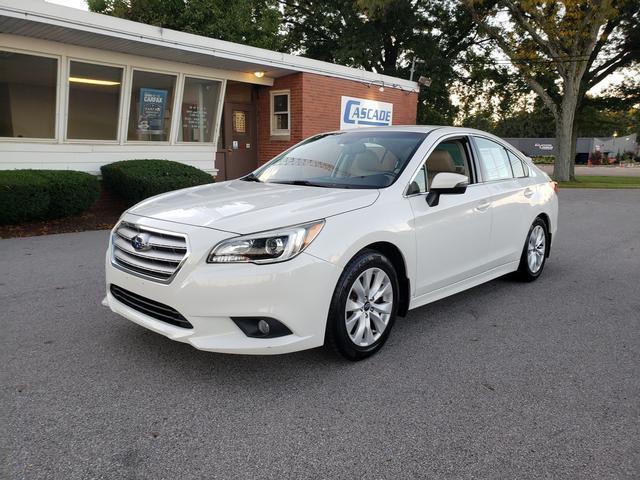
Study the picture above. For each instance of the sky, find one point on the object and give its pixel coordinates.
(612, 80)
(71, 3)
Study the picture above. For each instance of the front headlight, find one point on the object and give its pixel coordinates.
(266, 247)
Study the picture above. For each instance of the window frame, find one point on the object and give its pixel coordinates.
(479, 159)
(177, 98)
(525, 167)
(279, 132)
(216, 120)
(468, 146)
(65, 112)
(56, 117)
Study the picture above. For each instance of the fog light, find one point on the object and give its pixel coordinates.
(263, 327)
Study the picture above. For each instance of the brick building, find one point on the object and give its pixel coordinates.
(80, 89)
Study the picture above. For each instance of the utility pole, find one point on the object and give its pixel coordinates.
(413, 66)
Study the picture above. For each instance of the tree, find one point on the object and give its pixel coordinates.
(384, 36)
(562, 49)
(255, 23)
(617, 111)
(371, 34)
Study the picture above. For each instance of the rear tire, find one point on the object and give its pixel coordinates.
(534, 252)
(364, 306)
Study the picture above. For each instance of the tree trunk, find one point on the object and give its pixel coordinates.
(562, 168)
(574, 144)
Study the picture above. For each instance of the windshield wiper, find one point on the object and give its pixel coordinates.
(305, 183)
(251, 178)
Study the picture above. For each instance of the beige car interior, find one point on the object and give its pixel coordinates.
(373, 161)
(441, 160)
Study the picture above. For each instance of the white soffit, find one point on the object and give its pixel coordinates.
(39, 19)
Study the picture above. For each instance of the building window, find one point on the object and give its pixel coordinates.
(28, 86)
(94, 101)
(280, 104)
(239, 121)
(151, 104)
(200, 100)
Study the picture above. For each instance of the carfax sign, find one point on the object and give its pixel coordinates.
(152, 106)
(359, 112)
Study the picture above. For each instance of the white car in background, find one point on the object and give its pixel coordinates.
(332, 240)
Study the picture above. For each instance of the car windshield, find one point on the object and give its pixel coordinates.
(359, 159)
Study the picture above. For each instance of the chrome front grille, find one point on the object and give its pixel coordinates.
(148, 252)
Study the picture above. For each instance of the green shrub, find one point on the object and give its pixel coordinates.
(23, 196)
(70, 192)
(544, 159)
(135, 180)
(37, 194)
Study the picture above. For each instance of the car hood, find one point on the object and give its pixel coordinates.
(243, 207)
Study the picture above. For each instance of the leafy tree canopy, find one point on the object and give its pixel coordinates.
(255, 22)
(561, 50)
(454, 43)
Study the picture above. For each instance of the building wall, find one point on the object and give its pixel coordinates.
(269, 146)
(89, 155)
(315, 108)
(584, 145)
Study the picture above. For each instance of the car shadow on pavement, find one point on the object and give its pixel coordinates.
(179, 362)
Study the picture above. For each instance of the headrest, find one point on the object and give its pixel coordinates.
(369, 161)
(440, 161)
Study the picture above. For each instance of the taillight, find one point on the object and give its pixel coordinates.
(554, 185)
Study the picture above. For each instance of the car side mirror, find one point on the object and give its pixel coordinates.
(446, 183)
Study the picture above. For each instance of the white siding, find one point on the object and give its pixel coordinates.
(59, 153)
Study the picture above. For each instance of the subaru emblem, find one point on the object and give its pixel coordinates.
(141, 241)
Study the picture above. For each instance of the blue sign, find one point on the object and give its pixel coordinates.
(357, 112)
(153, 104)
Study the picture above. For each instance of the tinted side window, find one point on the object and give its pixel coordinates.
(493, 159)
(518, 167)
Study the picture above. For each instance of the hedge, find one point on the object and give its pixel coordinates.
(135, 180)
(38, 194)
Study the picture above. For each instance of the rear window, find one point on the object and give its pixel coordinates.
(518, 166)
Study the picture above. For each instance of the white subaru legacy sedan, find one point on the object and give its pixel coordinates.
(332, 240)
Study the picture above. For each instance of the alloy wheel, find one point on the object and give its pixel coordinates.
(369, 307)
(536, 249)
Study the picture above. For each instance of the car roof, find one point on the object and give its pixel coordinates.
(441, 130)
(444, 129)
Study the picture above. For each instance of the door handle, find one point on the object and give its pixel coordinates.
(483, 205)
(528, 192)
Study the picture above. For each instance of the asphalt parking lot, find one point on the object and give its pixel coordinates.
(506, 380)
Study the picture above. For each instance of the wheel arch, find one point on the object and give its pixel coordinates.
(393, 253)
(547, 221)
(545, 218)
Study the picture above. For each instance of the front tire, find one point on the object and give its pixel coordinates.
(534, 253)
(364, 306)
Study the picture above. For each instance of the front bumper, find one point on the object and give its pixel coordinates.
(296, 292)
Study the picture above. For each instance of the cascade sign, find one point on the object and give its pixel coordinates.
(359, 112)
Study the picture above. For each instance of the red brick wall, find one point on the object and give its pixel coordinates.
(268, 147)
(315, 107)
